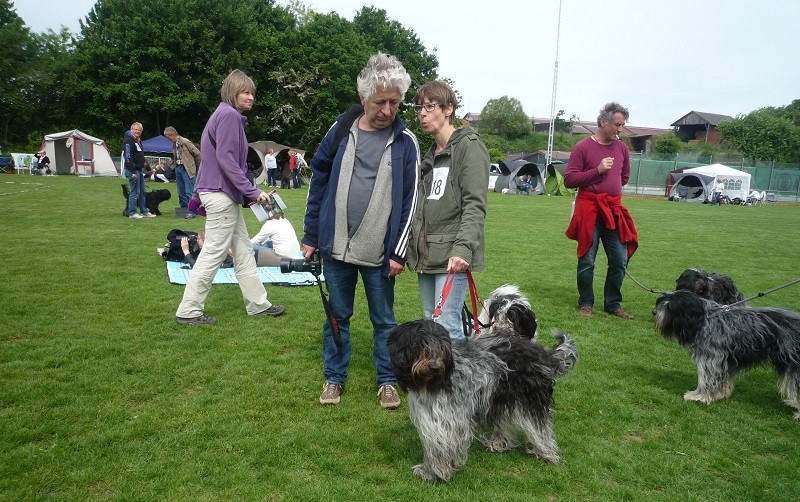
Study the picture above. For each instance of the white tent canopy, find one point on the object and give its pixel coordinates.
(737, 183)
(75, 152)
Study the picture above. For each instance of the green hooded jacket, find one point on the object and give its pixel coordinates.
(450, 213)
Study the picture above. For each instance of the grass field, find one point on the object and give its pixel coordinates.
(104, 397)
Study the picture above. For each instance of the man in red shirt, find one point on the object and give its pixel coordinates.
(599, 166)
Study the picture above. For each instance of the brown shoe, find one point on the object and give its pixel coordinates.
(273, 310)
(389, 397)
(586, 311)
(621, 314)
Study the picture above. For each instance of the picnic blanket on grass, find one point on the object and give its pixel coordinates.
(179, 274)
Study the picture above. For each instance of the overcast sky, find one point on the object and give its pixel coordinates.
(661, 59)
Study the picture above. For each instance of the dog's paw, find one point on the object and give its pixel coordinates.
(494, 444)
(696, 395)
(421, 471)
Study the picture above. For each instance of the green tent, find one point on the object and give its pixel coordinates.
(554, 183)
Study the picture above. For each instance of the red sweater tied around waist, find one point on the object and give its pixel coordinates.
(616, 216)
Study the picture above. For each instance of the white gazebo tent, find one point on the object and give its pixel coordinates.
(737, 183)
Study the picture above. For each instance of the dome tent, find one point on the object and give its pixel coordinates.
(554, 183)
(509, 172)
(257, 150)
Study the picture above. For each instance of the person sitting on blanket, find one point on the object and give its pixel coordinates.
(185, 246)
(276, 240)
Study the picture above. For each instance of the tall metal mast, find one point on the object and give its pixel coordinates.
(551, 131)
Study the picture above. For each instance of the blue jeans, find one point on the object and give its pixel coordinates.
(185, 185)
(137, 195)
(430, 289)
(271, 178)
(341, 279)
(617, 254)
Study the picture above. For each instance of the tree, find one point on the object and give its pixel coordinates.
(764, 134)
(667, 145)
(505, 117)
(16, 55)
(167, 73)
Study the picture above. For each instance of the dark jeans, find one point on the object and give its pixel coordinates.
(617, 254)
(342, 279)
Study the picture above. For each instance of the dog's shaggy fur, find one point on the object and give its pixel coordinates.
(153, 198)
(724, 341)
(502, 382)
(508, 309)
(717, 287)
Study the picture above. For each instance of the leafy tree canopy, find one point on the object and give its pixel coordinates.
(766, 134)
(505, 117)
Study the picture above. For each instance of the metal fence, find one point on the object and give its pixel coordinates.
(650, 175)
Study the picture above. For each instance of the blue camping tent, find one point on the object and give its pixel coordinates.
(158, 144)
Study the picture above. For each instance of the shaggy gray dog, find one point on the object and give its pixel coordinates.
(709, 285)
(501, 382)
(725, 341)
(507, 308)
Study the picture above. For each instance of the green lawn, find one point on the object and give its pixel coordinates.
(104, 396)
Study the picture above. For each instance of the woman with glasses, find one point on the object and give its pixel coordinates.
(447, 231)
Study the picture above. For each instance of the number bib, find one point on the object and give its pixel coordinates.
(439, 182)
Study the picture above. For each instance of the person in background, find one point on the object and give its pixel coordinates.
(358, 215)
(186, 158)
(719, 186)
(600, 166)
(221, 187)
(276, 240)
(133, 164)
(447, 237)
(272, 167)
(293, 168)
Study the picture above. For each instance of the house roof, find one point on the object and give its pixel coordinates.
(701, 118)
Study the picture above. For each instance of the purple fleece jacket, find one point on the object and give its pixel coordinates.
(224, 156)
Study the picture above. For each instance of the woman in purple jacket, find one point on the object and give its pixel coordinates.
(222, 186)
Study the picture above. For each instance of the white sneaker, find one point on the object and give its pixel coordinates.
(149, 215)
(136, 216)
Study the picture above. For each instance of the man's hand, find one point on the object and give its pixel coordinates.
(395, 268)
(308, 251)
(605, 165)
(185, 245)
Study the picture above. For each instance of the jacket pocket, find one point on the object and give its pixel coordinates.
(440, 246)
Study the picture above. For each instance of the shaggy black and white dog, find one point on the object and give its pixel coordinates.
(153, 199)
(501, 382)
(507, 308)
(717, 287)
(724, 341)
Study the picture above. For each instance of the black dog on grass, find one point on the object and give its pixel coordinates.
(724, 342)
(709, 285)
(153, 198)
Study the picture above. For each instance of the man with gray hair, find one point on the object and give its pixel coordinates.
(600, 166)
(187, 158)
(361, 198)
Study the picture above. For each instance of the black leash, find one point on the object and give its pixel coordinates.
(759, 295)
(640, 284)
(337, 335)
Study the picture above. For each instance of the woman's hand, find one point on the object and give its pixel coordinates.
(456, 264)
(262, 197)
(185, 245)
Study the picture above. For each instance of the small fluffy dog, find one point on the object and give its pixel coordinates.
(724, 341)
(717, 287)
(508, 309)
(153, 199)
(502, 382)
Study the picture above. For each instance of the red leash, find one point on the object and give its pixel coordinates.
(473, 294)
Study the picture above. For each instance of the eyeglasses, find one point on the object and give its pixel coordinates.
(429, 107)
